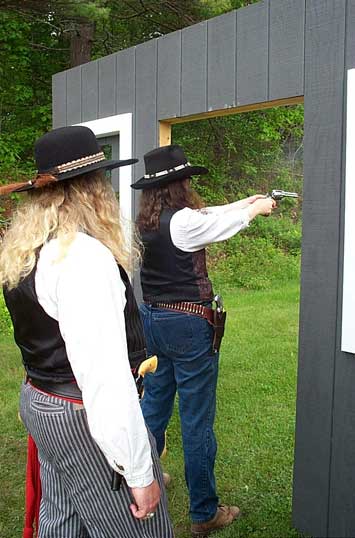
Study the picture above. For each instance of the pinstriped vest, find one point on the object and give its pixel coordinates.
(38, 336)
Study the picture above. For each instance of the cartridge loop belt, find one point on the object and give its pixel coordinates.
(188, 308)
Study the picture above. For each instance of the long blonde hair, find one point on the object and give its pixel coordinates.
(86, 203)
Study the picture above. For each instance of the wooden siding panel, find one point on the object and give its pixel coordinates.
(350, 36)
(324, 71)
(146, 97)
(194, 69)
(125, 68)
(107, 86)
(221, 61)
(169, 75)
(90, 91)
(252, 54)
(342, 500)
(74, 95)
(286, 52)
(59, 99)
(145, 118)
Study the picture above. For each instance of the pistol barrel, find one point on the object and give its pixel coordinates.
(278, 194)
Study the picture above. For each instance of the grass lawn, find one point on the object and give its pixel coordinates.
(255, 416)
(13, 442)
(254, 426)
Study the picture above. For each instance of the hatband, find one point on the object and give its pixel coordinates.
(79, 163)
(168, 171)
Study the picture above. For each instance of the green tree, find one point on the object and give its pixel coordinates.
(245, 153)
(25, 74)
(41, 37)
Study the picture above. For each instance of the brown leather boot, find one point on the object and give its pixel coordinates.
(224, 516)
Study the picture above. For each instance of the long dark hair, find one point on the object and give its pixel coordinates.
(174, 195)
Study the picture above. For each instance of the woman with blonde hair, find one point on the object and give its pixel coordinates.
(63, 265)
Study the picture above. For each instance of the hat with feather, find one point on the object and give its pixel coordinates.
(63, 154)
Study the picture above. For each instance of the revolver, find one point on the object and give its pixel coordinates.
(219, 303)
(278, 195)
(219, 321)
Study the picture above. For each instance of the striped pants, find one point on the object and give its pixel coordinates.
(77, 500)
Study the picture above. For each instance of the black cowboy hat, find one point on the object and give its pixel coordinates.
(164, 165)
(68, 152)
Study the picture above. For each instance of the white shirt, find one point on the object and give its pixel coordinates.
(194, 229)
(85, 294)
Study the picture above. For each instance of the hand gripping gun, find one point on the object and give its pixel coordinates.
(138, 369)
(278, 195)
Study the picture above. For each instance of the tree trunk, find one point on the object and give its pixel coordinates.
(81, 43)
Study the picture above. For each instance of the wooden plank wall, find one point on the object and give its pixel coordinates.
(59, 99)
(194, 69)
(252, 54)
(74, 95)
(236, 59)
(275, 49)
(90, 91)
(286, 48)
(324, 77)
(342, 477)
(221, 65)
(107, 86)
(169, 76)
(125, 82)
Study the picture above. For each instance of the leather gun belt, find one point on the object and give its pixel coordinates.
(188, 308)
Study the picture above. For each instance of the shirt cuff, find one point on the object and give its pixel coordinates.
(141, 481)
(138, 481)
(245, 217)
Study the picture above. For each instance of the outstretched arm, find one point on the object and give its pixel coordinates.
(239, 204)
(192, 229)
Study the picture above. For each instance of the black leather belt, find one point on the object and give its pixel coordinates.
(68, 389)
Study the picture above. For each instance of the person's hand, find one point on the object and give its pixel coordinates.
(262, 206)
(265, 206)
(146, 500)
(252, 199)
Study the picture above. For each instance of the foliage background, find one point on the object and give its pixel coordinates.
(253, 152)
(248, 153)
(245, 153)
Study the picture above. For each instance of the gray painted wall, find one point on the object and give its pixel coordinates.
(272, 50)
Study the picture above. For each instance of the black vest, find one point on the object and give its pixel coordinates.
(169, 274)
(38, 336)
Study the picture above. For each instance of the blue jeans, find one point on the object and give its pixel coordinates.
(186, 364)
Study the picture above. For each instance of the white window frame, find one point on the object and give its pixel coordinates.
(120, 124)
(348, 329)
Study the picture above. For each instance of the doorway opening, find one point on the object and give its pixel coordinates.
(258, 274)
